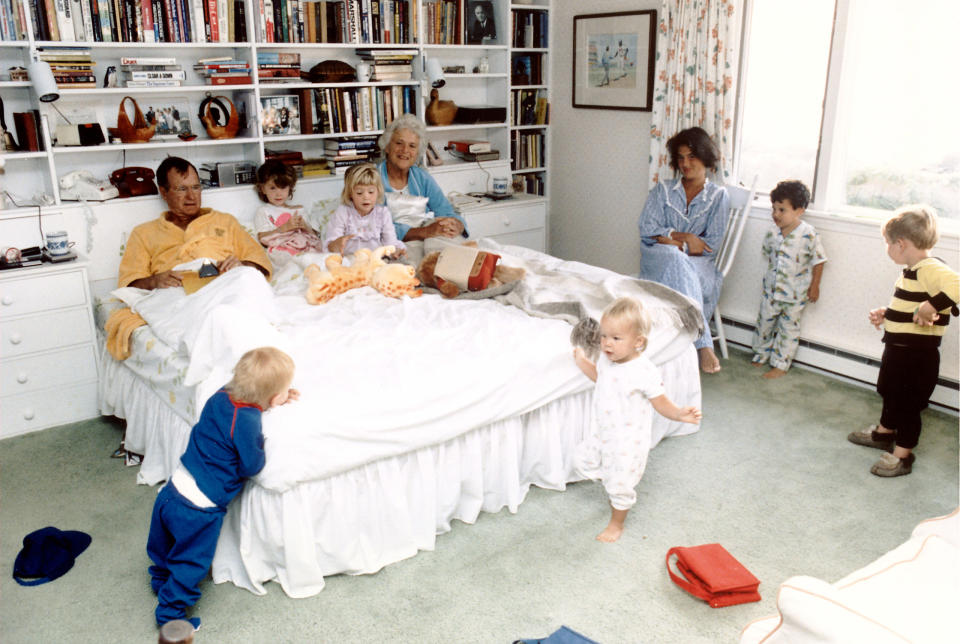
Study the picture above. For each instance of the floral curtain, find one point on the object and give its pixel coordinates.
(694, 78)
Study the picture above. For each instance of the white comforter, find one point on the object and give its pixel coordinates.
(378, 376)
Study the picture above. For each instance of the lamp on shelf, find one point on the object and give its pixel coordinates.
(41, 77)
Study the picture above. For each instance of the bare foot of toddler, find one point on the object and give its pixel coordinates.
(774, 373)
(611, 533)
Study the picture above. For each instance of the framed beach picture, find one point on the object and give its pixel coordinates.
(172, 114)
(613, 59)
(280, 114)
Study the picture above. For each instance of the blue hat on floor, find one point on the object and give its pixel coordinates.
(48, 553)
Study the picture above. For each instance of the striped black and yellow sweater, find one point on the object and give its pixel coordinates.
(929, 280)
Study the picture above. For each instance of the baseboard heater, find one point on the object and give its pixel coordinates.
(843, 364)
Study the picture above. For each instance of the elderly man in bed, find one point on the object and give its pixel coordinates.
(185, 232)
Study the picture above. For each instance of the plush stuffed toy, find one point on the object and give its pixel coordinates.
(465, 268)
(586, 335)
(367, 268)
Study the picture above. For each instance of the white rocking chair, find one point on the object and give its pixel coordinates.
(741, 201)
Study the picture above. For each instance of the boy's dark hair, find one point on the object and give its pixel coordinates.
(283, 176)
(182, 166)
(793, 191)
(700, 144)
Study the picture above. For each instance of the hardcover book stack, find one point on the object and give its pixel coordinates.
(72, 67)
(472, 150)
(343, 153)
(278, 66)
(388, 64)
(151, 71)
(316, 168)
(529, 29)
(223, 70)
(526, 150)
(529, 107)
(343, 21)
(140, 20)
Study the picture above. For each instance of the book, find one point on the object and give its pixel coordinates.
(491, 155)
(27, 135)
(153, 83)
(278, 57)
(472, 146)
(148, 75)
(229, 80)
(148, 60)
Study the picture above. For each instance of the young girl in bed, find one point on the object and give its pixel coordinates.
(224, 449)
(361, 221)
(628, 389)
(279, 225)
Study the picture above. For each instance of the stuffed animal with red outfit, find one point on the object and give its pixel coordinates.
(456, 269)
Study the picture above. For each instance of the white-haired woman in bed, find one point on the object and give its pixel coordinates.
(682, 226)
(419, 208)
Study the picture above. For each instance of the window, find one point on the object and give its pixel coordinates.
(856, 98)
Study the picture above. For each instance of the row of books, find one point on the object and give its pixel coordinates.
(529, 107)
(13, 23)
(361, 109)
(72, 67)
(526, 150)
(443, 21)
(526, 69)
(303, 167)
(336, 21)
(139, 20)
(530, 183)
(529, 29)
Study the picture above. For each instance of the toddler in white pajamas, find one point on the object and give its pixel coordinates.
(795, 258)
(629, 389)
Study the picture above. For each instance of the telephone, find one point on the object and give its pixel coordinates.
(81, 185)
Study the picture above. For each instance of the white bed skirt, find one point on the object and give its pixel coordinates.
(382, 512)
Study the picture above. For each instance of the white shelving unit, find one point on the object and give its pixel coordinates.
(31, 176)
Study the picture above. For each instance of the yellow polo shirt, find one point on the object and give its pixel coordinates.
(158, 245)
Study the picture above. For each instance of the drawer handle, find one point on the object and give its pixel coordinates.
(28, 414)
(16, 338)
(506, 221)
(22, 377)
(7, 300)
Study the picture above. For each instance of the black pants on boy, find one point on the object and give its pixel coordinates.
(907, 378)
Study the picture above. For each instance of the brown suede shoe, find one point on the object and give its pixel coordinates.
(889, 465)
(870, 437)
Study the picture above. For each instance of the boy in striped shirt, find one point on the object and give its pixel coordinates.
(913, 324)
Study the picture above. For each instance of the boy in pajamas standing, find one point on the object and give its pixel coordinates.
(795, 261)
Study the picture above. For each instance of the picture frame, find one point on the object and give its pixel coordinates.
(480, 32)
(613, 60)
(280, 114)
(172, 114)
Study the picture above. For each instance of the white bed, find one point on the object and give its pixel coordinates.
(413, 412)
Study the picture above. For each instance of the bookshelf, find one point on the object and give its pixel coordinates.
(480, 74)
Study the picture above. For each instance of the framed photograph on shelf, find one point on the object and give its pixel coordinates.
(481, 23)
(172, 114)
(280, 114)
(613, 59)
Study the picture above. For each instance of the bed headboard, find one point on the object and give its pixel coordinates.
(100, 229)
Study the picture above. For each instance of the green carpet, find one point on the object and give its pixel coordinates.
(770, 476)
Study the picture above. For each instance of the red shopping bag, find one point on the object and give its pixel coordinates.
(714, 575)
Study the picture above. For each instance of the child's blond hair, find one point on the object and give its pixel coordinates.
(917, 223)
(260, 375)
(363, 174)
(627, 309)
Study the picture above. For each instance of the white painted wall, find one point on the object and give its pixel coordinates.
(599, 159)
(599, 184)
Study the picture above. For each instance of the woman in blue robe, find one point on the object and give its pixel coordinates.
(682, 226)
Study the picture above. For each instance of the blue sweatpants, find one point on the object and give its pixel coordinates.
(182, 541)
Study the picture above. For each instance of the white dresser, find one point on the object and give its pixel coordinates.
(520, 220)
(48, 360)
